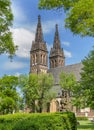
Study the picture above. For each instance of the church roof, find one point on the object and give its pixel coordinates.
(74, 68)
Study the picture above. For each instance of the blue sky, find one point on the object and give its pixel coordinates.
(24, 27)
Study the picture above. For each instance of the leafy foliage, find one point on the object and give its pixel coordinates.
(48, 121)
(45, 83)
(9, 97)
(70, 90)
(80, 19)
(67, 81)
(84, 89)
(35, 90)
(87, 80)
(80, 14)
(49, 4)
(6, 18)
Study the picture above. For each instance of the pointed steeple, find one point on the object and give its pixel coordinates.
(57, 58)
(56, 44)
(38, 53)
(39, 34)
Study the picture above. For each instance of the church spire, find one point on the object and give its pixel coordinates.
(57, 58)
(38, 53)
(39, 34)
(56, 44)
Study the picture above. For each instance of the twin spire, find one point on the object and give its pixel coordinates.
(39, 35)
(39, 53)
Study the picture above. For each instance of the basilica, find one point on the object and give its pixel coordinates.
(39, 62)
(39, 56)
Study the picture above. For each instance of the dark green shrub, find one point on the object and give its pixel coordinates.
(71, 121)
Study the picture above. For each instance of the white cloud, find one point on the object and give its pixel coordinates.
(65, 43)
(17, 74)
(67, 54)
(48, 26)
(14, 65)
(23, 38)
(18, 12)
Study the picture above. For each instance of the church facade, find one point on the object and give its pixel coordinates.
(39, 62)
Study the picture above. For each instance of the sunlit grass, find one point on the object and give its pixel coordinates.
(86, 125)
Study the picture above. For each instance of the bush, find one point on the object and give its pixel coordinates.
(44, 121)
(82, 118)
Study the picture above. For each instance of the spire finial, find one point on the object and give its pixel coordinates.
(39, 34)
(39, 19)
(56, 26)
(56, 39)
(38, 16)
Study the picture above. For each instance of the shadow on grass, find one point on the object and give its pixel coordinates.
(88, 126)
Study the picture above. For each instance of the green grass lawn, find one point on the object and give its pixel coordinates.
(86, 125)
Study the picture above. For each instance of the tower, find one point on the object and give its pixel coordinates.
(38, 53)
(57, 58)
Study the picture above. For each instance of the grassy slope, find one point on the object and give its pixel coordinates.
(86, 125)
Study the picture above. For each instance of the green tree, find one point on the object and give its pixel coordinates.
(45, 83)
(79, 14)
(87, 81)
(6, 18)
(9, 97)
(68, 83)
(35, 90)
(29, 86)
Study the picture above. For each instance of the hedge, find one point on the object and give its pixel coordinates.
(44, 121)
(82, 118)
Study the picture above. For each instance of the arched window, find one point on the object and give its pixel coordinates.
(41, 58)
(52, 64)
(62, 62)
(44, 59)
(55, 63)
(35, 58)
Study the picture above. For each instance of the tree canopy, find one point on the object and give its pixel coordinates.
(87, 80)
(79, 14)
(84, 90)
(36, 90)
(9, 97)
(68, 83)
(6, 18)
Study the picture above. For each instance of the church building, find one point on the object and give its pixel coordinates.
(39, 62)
